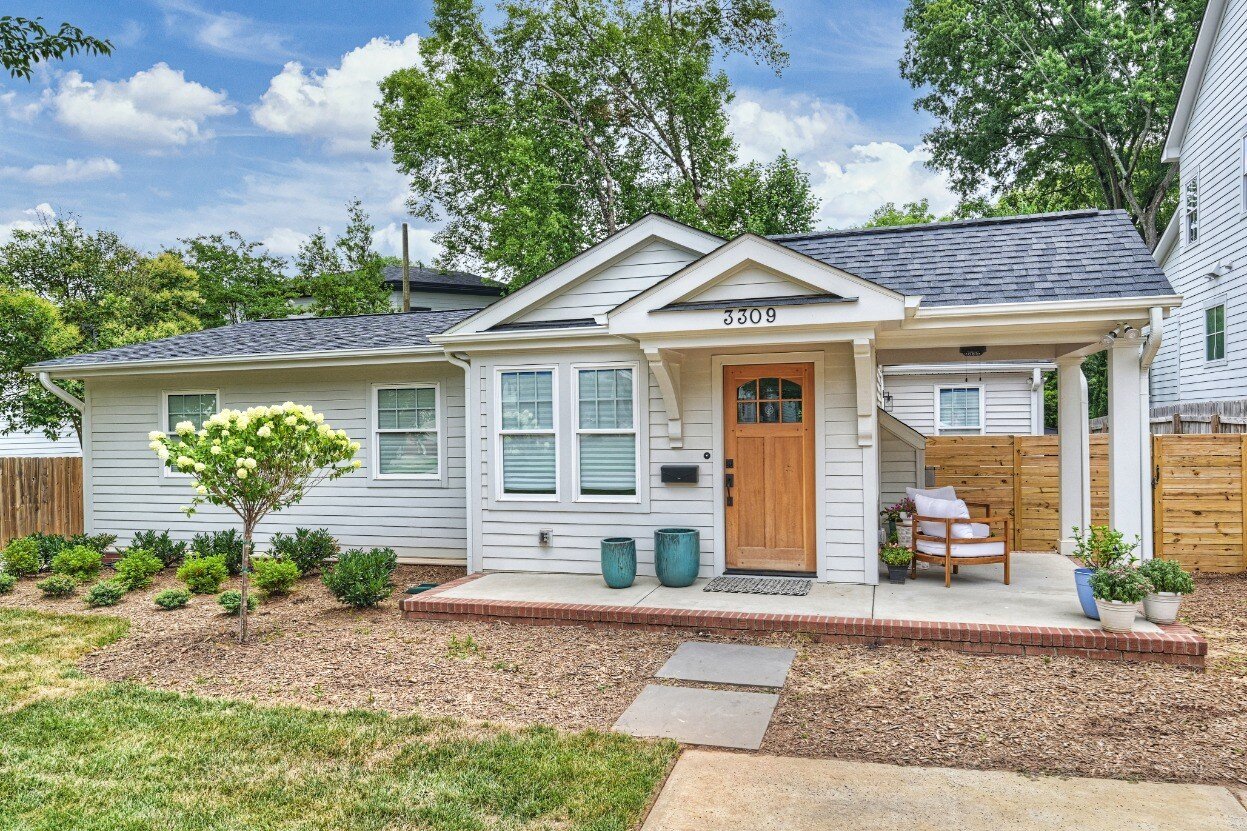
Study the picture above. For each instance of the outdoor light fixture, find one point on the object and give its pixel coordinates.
(887, 401)
(973, 351)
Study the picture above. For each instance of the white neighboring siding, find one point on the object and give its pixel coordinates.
(441, 300)
(605, 289)
(751, 283)
(37, 444)
(418, 519)
(1007, 400)
(509, 530)
(1213, 148)
(899, 468)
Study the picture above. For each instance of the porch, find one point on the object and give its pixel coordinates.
(1037, 615)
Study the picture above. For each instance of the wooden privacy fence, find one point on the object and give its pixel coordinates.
(1199, 502)
(40, 495)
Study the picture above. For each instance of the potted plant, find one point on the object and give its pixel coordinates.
(1169, 583)
(897, 560)
(1098, 547)
(896, 517)
(1118, 591)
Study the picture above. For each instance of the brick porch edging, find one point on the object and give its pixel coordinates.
(1175, 645)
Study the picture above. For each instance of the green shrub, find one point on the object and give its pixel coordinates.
(106, 593)
(137, 567)
(1123, 584)
(273, 576)
(224, 544)
(1102, 547)
(58, 585)
(100, 542)
(7, 582)
(21, 557)
(203, 575)
(307, 548)
(231, 601)
(1167, 576)
(170, 551)
(81, 562)
(172, 598)
(362, 578)
(895, 555)
(49, 546)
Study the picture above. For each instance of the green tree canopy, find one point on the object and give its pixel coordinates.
(345, 277)
(32, 330)
(911, 213)
(1071, 97)
(238, 280)
(571, 118)
(25, 42)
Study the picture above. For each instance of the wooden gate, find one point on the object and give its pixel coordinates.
(40, 495)
(1199, 502)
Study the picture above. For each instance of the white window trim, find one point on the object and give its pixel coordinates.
(1242, 173)
(166, 473)
(500, 495)
(374, 432)
(961, 431)
(1193, 179)
(1212, 303)
(578, 431)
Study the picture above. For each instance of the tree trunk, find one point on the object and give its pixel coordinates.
(246, 580)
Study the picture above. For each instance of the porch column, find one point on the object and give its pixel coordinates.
(866, 371)
(1126, 488)
(1073, 438)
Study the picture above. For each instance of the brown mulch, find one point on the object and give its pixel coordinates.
(901, 706)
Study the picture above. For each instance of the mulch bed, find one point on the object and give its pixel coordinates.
(901, 706)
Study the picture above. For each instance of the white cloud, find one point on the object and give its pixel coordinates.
(284, 242)
(155, 107)
(18, 108)
(875, 173)
(70, 170)
(336, 106)
(420, 244)
(766, 124)
(227, 33)
(26, 220)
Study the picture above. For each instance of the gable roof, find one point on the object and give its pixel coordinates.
(432, 279)
(1194, 79)
(265, 338)
(1059, 256)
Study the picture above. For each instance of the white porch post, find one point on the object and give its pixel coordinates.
(1125, 437)
(1073, 437)
(867, 439)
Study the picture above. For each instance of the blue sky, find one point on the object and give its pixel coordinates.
(255, 117)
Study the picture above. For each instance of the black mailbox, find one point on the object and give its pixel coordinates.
(679, 474)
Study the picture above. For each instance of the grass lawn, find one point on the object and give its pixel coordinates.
(75, 753)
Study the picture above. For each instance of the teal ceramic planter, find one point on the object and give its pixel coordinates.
(677, 554)
(619, 561)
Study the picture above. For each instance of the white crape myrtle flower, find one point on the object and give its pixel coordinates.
(201, 490)
(291, 420)
(155, 435)
(199, 467)
(248, 449)
(185, 462)
(184, 427)
(355, 447)
(154, 444)
(319, 418)
(202, 433)
(356, 463)
(265, 431)
(162, 452)
(325, 430)
(215, 450)
(249, 463)
(244, 421)
(241, 473)
(302, 428)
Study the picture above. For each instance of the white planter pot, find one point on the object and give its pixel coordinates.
(1116, 616)
(905, 534)
(1162, 607)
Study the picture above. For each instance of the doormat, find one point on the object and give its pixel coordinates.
(793, 586)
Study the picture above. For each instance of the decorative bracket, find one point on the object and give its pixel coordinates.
(864, 366)
(665, 364)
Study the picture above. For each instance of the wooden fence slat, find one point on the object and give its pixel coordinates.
(42, 495)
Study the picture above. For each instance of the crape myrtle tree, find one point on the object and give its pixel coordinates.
(256, 462)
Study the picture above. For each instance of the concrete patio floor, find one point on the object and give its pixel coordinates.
(1041, 594)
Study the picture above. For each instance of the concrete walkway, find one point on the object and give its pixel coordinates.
(717, 791)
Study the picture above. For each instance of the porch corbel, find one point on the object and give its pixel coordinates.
(665, 364)
(864, 366)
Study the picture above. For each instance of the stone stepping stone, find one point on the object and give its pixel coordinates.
(729, 663)
(695, 716)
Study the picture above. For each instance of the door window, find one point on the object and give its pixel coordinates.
(769, 401)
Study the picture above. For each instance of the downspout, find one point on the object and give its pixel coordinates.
(1151, 346)
(473, 459)
(1037, 425)
(45, 381)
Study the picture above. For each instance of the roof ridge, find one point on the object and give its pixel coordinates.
(305, 318)
(955, 223)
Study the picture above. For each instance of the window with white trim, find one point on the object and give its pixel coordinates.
(195, 407)
(1190, 208)
(606, 439)
(1214, 332)
(527, 438)
(1242, 172)
(407, 432)
(960, 411)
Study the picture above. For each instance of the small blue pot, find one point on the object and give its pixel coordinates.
(619, 561)
(677, 554)
(1082, 579)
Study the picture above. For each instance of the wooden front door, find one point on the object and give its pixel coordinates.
(768, 417)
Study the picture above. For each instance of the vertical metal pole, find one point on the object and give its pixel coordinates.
(406, 273)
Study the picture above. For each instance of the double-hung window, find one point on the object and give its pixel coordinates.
(1214, 332)
(195, 407)
(407, 432)
(606, 435)
(527, 436)
(1190, 208)
(1242, 173)
(960, 411)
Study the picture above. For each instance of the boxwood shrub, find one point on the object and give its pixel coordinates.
(7, 582)
(21, 557)
(58, 585)
(170, 551)
(231, 601)
(137, 567)
(203, 575)
(307, 548)
(172, 598)
(80, 562)
(273, 576)
(105, 593)
(362, 578)
(224, 544)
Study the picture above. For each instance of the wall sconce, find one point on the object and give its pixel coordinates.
(887, 402)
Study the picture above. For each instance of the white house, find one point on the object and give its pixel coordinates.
(1004, 398)
(435, 290)
(23, 443)
(663, 377)
(1204, 248)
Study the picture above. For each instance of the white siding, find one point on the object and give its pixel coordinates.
(1213, 147)
(751, 283)
(606, 288)
(899, 468)
(418, 519)
(441, 300)
(19, 443)
(1007, 400)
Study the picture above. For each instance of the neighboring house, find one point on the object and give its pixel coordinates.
(20, 443)
(434, 290)
(663, 377)
(974, 399)
(1204, 249)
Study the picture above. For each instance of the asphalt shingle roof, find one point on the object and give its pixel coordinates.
(431, 278)
(1059, 256)
(280, 337)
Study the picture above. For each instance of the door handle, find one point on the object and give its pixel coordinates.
(729, 482)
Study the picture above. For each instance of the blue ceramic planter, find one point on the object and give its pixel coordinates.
(619, 561)
(677, 554)
(1082, 579)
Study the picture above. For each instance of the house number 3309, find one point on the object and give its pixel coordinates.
(739, 317)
